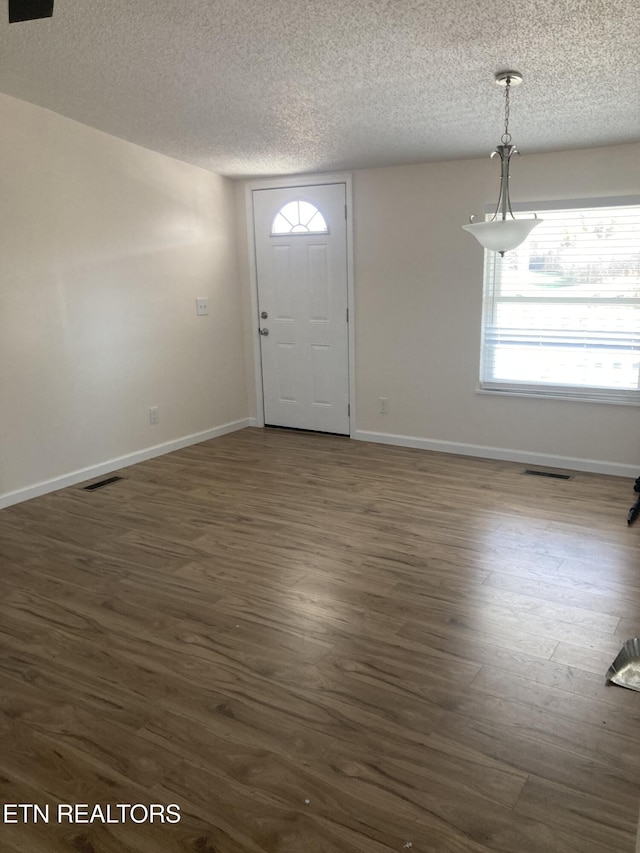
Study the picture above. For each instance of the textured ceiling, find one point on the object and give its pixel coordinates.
(265, 87)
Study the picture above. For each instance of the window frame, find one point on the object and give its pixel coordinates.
(540, 390)
(307, 232)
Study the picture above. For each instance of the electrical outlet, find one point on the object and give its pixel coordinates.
(202, 306)
(154, 416)
(384, 406)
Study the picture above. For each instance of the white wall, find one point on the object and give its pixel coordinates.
(105, 247)
(418, 283)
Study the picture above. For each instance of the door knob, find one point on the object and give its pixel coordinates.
(264, 315)
(264, 332)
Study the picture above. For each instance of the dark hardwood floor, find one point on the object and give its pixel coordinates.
(314, 644)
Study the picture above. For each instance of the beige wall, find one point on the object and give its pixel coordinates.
(418, 284)
(105, 247)
(249, 303)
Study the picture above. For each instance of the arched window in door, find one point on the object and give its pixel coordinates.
(299, 217)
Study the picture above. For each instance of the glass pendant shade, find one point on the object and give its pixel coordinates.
(501, 235)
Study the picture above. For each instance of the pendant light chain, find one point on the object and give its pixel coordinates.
(506, 136)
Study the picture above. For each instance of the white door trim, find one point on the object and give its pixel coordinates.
(300, 181)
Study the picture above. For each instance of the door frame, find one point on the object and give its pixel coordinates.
(288, 183)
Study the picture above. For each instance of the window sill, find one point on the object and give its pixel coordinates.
(558, 395)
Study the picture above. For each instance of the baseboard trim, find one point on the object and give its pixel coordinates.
(82, 474)
(592, 466)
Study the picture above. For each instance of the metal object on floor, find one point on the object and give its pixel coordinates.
(625, 670)
(634, 512)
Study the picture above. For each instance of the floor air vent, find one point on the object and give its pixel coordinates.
(552, 474)
(101, 484)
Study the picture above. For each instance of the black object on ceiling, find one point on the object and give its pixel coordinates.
(29, 10)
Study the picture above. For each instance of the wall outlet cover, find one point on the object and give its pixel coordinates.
(202, 306)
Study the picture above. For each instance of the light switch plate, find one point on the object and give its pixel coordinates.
(202, 307)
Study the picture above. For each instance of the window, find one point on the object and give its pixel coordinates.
(299, 217)
(561, 315)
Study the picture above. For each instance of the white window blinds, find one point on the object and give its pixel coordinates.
(562, 311)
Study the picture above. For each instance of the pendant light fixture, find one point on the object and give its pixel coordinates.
(503, 231)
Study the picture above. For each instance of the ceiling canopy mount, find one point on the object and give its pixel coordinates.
(508, 78)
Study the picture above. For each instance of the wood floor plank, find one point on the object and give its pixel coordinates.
(540, 726)
(606, 823)
(569, 679)
(549, 589)
(520, 606)
(594, 660)
(578, 578)
(562, 703)
(628, 628)
(550, 758)
(302, 641)
(457, 634)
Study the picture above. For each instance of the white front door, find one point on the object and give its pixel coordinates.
(301, 260)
